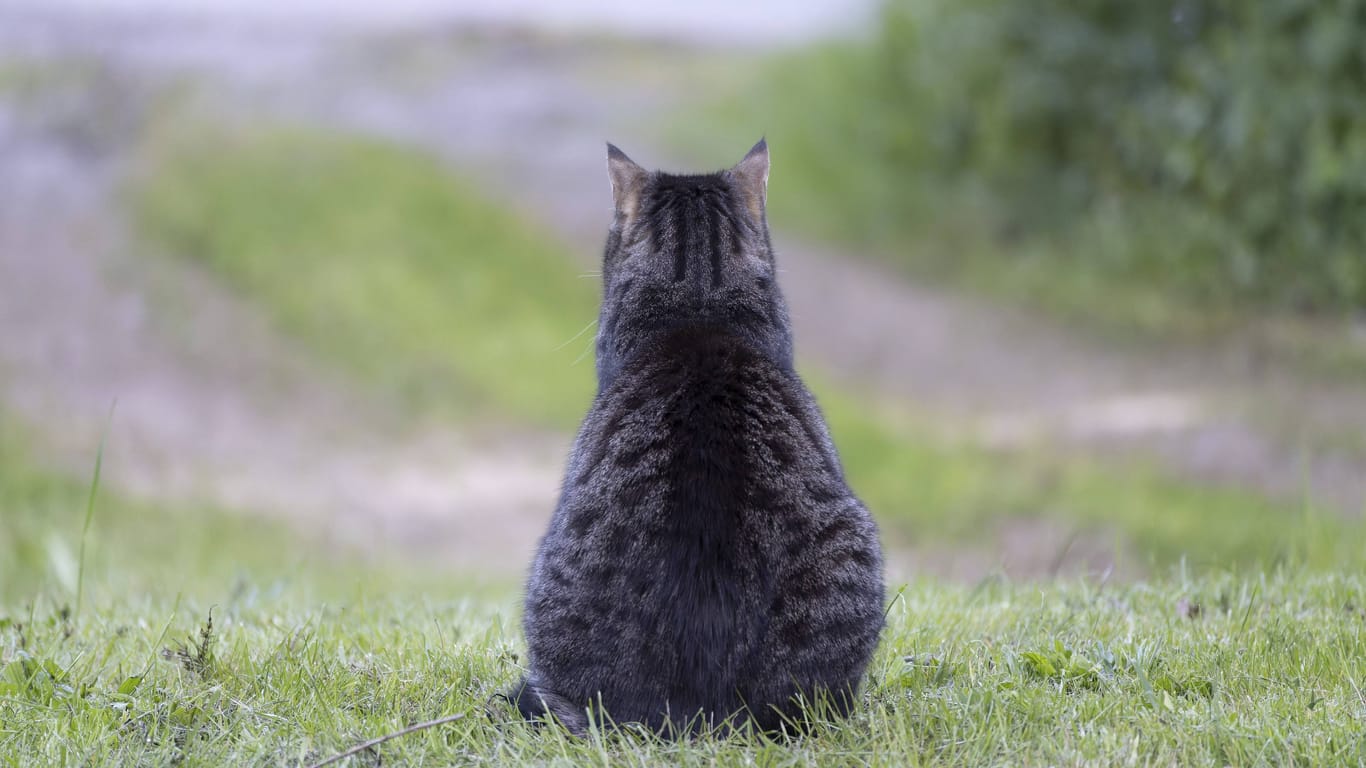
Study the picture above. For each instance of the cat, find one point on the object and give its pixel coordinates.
(706, 565)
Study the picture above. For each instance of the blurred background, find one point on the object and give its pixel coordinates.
(1080, 285)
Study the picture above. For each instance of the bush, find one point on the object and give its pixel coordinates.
(1223, 141)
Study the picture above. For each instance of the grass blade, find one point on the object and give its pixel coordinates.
(90, 510)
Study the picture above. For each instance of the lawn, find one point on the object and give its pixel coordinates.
(248, 649)
(209, 638)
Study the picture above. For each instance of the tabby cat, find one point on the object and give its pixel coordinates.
(707, 564)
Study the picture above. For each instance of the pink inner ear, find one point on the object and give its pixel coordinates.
(751, 175)
(627, 180)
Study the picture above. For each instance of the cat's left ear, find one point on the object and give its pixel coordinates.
(751, 178)
(628, 181)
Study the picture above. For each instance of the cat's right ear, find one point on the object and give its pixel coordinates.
(628, 182)
(751, 175)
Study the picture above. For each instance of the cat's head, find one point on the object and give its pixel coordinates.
(689, 251)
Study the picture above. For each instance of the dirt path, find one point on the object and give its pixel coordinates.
(213, 405)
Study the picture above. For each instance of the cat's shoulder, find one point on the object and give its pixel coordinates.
(706, 356)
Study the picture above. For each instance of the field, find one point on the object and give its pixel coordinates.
(174, 647)
(136, 634)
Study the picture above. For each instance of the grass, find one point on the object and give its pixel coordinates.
(59, 537)
(386, 264)
(1223, 668)
(929, 490)
(211, 638)
(392, 267)
(89, 517)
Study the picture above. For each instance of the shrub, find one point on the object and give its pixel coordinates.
(1224, 141)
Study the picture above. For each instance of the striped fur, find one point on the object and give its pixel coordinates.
(706, 563)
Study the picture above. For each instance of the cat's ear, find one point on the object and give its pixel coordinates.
(628, 181)
(751, 178)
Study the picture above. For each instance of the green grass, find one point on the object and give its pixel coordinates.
(393, 268)
(927, 489)
(1222, 669)
(212, 639)
(385, 263)
(79, 545)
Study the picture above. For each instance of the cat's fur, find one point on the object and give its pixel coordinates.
(706, 561)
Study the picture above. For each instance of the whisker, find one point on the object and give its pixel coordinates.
(592, 343)
(570, 340)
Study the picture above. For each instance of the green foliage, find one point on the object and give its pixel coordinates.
(1063, 665)
(383, 261)
(1211, 150)
(1245, 118)
(37, 680)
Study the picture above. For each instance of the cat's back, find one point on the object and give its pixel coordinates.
(717, 426)
(699, 478)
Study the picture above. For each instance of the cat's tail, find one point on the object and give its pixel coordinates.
(535, 701)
